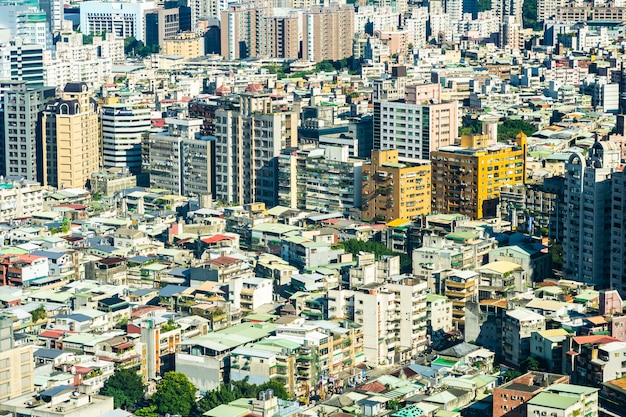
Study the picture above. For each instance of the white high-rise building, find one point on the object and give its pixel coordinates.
(417, 125)
(587, 214)
(123, 19)
(416, 24)
(123, 125)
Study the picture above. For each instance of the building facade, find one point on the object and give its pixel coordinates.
(181, 160)
(395, 188)
(587, 214)
(248, 143)
(124, 19)
(467, 178)
(322, 179)
(71, 138)
(122, 128)
(21, 141)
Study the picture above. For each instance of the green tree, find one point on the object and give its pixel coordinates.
(38, 314)
(174, 394)
(279, 389)
(529, 364)
(149, 411)
(510, 128)
(511, 374)
(470, 125)
(324, 66)
(484, 5)
(556, 250)
(126, 387)
(529, 15)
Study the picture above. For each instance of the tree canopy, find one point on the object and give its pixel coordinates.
(484, 5)
(238, 389)
(38, 314)
(510, 128)
(126, 388)
(133, 46)
(175, 394)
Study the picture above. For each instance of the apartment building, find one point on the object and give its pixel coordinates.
(618, 232)
(461, 287)
(511, 399)
(395, 188)
(189, 45)
(564, 400)
(322, 179)
(325, 349)
(21, 61)
(592, 360)
(162, 341)
(587, 214)
(416, 125)
(240, 28)
(327, 32)
(16, 364)
(517, 328)
(467, 179)
(123, 125)
(21, 141)
(71, 141)
(439, 319)
(19, 199)
(180, 160)
(393, 317)
(248, 143)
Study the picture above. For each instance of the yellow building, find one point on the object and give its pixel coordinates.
(395, 188)
(187, 44)
(71, 138)
(467, 179)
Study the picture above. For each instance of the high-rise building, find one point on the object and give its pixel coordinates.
(395, 188)
(587, 214)
(21, 139)
(323, 179)
(546, 9)
(238, 29)
(71, 138)
(467, 178)
(248, 143)
(124, 19)
(20, 61)
(54, 10)
(416, 125)
(327, 33)
(618, 232)
(181, 160)
(160, 25)
(123, 125)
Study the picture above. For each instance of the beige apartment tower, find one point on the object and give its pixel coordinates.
(327, 33)
(71, 138)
